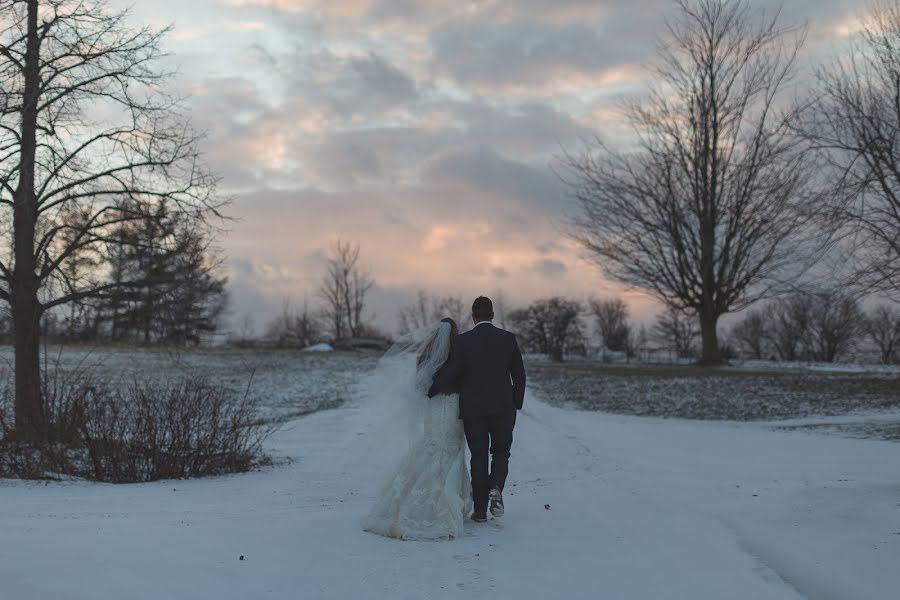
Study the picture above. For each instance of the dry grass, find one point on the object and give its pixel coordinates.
(713, 393)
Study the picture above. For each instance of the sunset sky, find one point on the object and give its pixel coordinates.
(423, 130)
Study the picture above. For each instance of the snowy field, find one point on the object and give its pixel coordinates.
(843, 399)
(286, 383)
(598, 506)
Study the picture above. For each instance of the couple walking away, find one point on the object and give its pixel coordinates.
(457, 386)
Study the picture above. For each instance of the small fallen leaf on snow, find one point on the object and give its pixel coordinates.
(546, 507)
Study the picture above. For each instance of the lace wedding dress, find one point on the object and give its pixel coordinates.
(429, 494)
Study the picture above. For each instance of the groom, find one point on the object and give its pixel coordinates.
(487, 365)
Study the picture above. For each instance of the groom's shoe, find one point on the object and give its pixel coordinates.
(479, 516)
(496, 499)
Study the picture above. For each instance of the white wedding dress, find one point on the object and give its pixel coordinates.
(429, 495)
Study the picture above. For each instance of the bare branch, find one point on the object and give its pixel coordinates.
(855, 126)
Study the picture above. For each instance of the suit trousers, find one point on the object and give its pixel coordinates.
(494, 433)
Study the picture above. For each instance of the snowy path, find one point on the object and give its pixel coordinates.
(639, 509)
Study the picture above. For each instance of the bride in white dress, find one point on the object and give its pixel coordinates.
(429, 495)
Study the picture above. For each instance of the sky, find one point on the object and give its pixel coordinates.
(427, 131)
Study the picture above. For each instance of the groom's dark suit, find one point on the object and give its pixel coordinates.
(487, 366)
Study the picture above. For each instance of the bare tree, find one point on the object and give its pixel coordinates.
(751, 333)
(500, 308)
(84, 125)
(292, 328)
(883, 328)
(639, 343)
(6, 327)
(677, 332)
(835, 326)
(344, 289)
(430, 309)
(244, 335)
(612, 322)
(790, 323)
(416, 315)
(550, 326)
(815, 324)
(453, 306)
(856, 123)
(712, 203)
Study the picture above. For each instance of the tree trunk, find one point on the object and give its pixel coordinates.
(26, 322)
(24, 289)
(710, 339)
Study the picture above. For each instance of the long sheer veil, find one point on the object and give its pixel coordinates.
(394, 394)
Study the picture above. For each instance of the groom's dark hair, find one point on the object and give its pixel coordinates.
(483, 309)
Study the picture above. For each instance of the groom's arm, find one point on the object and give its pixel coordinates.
(517, 375)
(448, 374)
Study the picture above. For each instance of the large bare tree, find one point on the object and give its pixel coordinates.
(85, 130)
(709, 203)
(856, 122)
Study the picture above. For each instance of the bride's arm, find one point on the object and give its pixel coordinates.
(448, 374)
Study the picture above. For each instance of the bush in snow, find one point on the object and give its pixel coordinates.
(141, 431)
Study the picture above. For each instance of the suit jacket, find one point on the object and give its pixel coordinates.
(486, 364)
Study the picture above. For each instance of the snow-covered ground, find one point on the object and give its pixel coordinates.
(285, 382)
(638, 508)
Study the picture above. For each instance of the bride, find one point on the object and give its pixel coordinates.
(429, 494)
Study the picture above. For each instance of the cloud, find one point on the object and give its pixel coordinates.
(530, 128)
(549, 247)
(351, 84)
(347, 164)
(512, 183)
(375, 76)
(550, 268)
(351, 9)
(422, 129)
(522, 53)
(226, 97)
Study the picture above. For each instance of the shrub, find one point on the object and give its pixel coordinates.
(137, 432)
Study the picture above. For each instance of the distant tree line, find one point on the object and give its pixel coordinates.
(559, 326)
(818, 325)
(814, 325)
